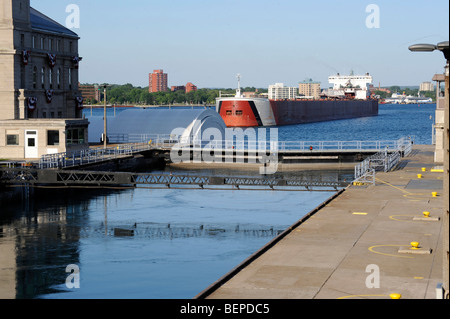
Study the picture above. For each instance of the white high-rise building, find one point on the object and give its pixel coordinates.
(426, 86)
(280, 92)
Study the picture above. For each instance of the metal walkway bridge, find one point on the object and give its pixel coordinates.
(364, 173)
(284, 150)
(61, 178)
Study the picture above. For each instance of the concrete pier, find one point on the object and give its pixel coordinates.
(354, 246)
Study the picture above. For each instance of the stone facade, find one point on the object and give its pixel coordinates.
(38, 78)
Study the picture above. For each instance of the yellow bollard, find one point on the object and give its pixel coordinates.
(434, 194)
(419, 176)
(395, 296)
(426, 214)
(415, 245)
(424, 169)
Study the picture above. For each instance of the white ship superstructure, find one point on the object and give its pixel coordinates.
(350, 86)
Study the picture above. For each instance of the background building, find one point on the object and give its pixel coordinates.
(157, 81)
(309, 88)
(178, 88)
(90, 92)
(426, 86)
(40, 105)
(190, 87)
(280, 92)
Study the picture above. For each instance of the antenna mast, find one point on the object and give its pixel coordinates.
(238, 91)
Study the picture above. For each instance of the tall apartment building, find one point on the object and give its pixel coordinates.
(157, 81)
(426, 86)
(40, 105)
(280, 92)
(309, 88)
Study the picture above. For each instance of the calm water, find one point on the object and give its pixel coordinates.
(183, 240)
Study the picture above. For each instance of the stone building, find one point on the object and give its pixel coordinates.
(40, 104)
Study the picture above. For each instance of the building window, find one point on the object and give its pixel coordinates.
(239, 113)
(42, 43)
(75, 136)
(52, 138)
(22, 40)
(58, 45)
(33, 42)
(12, 140)
(22, 77)
(34, 77)
(43, 78)
(50, 78)
(58, 78)
(70, 78)
(50, 44)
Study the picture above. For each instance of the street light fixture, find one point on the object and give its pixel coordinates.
(444, 289)
(105, 133)
(424, 47)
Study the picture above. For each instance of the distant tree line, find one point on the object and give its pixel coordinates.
(129, 94)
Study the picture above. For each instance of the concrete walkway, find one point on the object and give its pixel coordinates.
(352, 248)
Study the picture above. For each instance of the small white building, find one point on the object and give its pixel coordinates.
(280, 92)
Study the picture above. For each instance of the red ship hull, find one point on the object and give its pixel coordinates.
(239, 112)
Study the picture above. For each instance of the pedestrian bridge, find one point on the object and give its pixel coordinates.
(241, 151)
(63, 178)
(66, 169)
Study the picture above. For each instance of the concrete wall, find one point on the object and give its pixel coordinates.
(439, 137)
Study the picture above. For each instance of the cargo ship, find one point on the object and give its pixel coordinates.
(348, 99)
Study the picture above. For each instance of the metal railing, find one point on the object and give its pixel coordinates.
(168, 141)
(144, 142)
(382, 161)
(90, 156)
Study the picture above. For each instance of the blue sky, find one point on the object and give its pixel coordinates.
(207, 42)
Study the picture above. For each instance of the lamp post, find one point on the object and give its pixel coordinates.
(444, 48)
(105, 129)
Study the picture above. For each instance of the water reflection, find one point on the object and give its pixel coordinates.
(137, 243)
(38, 239)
